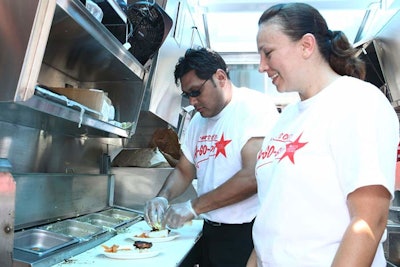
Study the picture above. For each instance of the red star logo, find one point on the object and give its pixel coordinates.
(220, 146)
(291, 148)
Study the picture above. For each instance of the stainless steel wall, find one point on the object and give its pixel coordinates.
(43, 198)
(134, 186)
(30, 150)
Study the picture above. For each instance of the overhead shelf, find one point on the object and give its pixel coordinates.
(66, 46)
(50, 116)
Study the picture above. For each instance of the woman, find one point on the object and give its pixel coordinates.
(326, 171)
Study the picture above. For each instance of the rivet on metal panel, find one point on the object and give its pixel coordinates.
(8, 229)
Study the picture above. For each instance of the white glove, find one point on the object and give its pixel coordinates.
(154, 210)
(178, 214)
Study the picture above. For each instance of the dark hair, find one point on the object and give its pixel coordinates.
(205, 62)
(297, 19)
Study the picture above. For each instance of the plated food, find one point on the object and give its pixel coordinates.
(115, 248)
(142, 245)
(138, 250)
(155, 236)
(131, 255)
(154, 233)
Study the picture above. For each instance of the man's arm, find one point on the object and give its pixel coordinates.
(252, 261)
(241, 186)
(178, 180)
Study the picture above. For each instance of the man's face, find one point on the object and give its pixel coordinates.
(206, 96)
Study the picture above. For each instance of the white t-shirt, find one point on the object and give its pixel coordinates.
(214, 145)
(321, 150)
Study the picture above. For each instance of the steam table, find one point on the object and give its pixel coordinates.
(172, 252)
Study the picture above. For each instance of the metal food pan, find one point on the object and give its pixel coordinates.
(81, 230)
(40, 242)
(121, 214)
(101, 220)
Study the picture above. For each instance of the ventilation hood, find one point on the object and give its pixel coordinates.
(386, 46)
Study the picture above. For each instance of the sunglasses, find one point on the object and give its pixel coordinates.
(194, 93)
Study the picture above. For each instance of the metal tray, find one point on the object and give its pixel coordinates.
(124, 215)
(391, 245)
(81, 230)
(40, 242)
(394, 214)
(101, 220)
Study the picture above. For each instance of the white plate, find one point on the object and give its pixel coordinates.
(132, 254)
(171, 236)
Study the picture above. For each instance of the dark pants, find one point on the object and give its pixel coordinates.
(226, 245)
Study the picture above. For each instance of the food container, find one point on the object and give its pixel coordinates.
(40, 242)
(104, 221)
(82, 231)
(94, 99)
(124, 215)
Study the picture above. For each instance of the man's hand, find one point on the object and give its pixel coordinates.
(178, 214)
(154, 210)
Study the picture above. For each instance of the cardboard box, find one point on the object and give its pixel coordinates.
(91, 98)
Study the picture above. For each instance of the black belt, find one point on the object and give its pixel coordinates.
(222, 224)
(213, 223)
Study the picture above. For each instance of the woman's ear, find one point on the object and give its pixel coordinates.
(308, 44)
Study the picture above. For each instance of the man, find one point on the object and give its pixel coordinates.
(219, 149)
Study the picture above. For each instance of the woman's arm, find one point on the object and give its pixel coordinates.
(368, 207)
(240, 186)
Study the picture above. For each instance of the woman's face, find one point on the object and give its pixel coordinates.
(280, 57)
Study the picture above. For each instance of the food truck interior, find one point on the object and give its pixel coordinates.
(83, 82)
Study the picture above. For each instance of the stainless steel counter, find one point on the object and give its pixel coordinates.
(172, 252)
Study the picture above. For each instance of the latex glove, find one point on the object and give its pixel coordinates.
(154, 210)
(178, 214)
